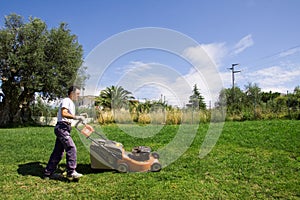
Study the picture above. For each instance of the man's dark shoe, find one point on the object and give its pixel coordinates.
(53, 176)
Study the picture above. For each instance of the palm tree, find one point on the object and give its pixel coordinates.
(114, 98)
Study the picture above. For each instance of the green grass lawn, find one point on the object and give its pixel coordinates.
(251, 160)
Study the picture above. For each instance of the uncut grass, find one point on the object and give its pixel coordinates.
(251, 160)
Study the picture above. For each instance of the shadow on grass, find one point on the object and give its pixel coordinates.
(37, 169)
(32, 169)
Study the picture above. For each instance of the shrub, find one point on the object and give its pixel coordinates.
(144, 118)
(174, 117)
(105, 117)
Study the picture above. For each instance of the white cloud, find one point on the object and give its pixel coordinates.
(137, 66)
(243, 44)
(276, 78)
(205, 54)
(206, 58)
(151, 80)
(217, 51)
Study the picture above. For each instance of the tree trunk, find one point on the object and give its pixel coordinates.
(7, 113)
(14, 110)
(23, 115)
(14, 114)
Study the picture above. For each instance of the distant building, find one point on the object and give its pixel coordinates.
(87, 101)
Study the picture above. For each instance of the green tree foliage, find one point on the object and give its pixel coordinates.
(233, 99)
(269, 96)
(81, 77)
(196, 100)
(294, 99)
(253, 94)
(34, 59)
(252, 103)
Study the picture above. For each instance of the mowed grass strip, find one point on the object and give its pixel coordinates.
(251, 160)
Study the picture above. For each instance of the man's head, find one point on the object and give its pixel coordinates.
(74, 93)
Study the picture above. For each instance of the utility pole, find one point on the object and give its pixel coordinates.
(233, 72)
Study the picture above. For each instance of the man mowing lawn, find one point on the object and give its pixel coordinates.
(64, 141)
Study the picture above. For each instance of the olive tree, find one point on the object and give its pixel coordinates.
(34, 60)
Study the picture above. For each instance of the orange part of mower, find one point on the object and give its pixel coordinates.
(108, 154)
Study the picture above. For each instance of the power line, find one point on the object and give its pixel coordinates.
(277, 55)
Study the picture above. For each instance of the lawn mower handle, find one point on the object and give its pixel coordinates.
(77, 123)
(80, 121)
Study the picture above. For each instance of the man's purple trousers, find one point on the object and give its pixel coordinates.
(63, 142)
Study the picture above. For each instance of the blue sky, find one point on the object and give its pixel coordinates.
(262, 35)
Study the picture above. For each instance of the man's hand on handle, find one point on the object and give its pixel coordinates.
(80, 118)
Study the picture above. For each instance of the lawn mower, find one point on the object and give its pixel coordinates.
(108, 154)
